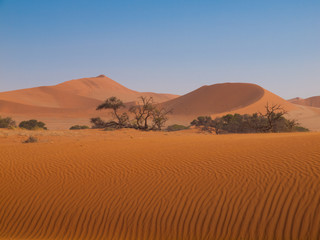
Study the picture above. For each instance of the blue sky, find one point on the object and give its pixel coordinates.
(162, 46)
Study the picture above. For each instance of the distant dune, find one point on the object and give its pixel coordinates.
(102, 87)
(77, 99)
(225, 98)
(85, 93)
(216, 98)
(259, 105)
(243, 98)
(152, 185)
(312, 101)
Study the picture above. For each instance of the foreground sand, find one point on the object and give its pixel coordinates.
(133, 185)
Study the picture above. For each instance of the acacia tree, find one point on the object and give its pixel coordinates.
(115, 104)
(160, 117)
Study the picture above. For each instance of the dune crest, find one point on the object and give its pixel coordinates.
(101, 87)
(219, 99)
(215, 98)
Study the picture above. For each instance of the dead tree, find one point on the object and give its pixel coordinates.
(273, 114)
(142, 112)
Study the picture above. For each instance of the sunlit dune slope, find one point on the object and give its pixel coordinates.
(68, 103)
(12, 108)
(48, 97)
(259, 106)
(85, 93)
(216, 98)
(307, 116)
(220, 99)
(138, 185)
(102, 87)
(312, 101)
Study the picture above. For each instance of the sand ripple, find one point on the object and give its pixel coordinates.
(187, 186)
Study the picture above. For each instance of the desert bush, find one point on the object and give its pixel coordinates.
(79, 127)
(109, 129)
(31, 139)
(205, 123)
(272, 121)
(97, 122)
(300, 129)
(7, 122)
(176, 127)
(32, 125)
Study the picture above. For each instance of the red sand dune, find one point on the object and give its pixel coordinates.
(75, 99)
(243, 98)
(82, 93)
(215, 98)
(221, 99)
(312, 101)
(78, 99)
(102, 87)
(28, 110)
(138, 185)
(48, 97)
(259, 106)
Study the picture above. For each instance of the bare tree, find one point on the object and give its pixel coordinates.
(273, 114)
(143, 112)
(160, 117)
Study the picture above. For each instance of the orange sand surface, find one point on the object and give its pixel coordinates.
(142, 185)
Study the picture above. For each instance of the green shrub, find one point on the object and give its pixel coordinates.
(176, 127)
(32, 125)
(254, 123)
(7, 122)
(300, 129)
(109, 129)
(98, 123)
(79, 127)
(31, 139)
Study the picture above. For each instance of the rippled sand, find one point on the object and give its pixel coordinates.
(135, 185)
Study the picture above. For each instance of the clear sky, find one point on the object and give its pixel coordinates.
(162, 46)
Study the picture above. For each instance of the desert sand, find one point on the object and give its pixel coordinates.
(154, 185)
